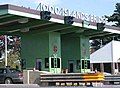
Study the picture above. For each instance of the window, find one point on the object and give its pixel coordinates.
(83, 64)
(1, 71)
(52, 62)
(78, 64)
(58, 62)
(5, 71)
(55, 62)
(87, 63)
(46, 63)
(14, 70)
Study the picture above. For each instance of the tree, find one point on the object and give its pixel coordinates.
(13, 45)
(115, 17)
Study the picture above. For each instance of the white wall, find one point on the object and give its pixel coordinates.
(116, 50)
(103, 55)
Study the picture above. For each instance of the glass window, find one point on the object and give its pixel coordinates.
(87, 63)
(52, 62)
(83, 64)
(46, 63)
(1, 70)
(78, 64)
(14, 70)
(55, 62)
(58, 62)
(5, 71)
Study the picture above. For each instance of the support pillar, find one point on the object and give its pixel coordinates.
(101, 67)
(84, 53)
(116, 68)
(91, 66)
(112, 68)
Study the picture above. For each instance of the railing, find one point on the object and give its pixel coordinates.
(74, 78)
(36, 77)
(112, 79)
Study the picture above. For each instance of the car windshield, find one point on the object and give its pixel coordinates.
(1, 70)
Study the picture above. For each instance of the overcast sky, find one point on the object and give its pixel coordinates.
(94, 7)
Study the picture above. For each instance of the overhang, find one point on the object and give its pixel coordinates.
(15, 19)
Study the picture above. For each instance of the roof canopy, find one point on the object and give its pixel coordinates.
(15, 19)
(107, 54)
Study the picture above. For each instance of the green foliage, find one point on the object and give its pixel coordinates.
(2, 63)
(13, 46)
(12, 59)
(115, 17)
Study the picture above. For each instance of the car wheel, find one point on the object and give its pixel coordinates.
(8, 81)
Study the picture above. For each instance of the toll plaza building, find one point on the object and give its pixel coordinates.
(50, 42)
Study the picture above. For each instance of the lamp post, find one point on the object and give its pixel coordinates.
(5, 50)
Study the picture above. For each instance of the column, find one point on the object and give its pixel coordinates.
(91, 66)
(101, 67)
(112, 67)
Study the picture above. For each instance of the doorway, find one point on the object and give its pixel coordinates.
(70, 66)
(38, 64)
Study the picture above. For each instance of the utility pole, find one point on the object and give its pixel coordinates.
(101, 43)
(5, 50)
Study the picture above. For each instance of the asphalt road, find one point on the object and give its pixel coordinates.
(37, 86)
(19, 86)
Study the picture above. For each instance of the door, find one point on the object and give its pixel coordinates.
(2, 74)
(71, 66)
(38, 64)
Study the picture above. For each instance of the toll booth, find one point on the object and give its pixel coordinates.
(85, 65)
(55, 65)
(51, 42)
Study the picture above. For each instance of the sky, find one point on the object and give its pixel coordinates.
(93, 7)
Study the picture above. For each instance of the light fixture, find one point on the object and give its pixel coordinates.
(23, 20)
(24, 30)
(68, 20)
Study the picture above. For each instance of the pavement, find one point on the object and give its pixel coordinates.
(37, 86)
(19, 86)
